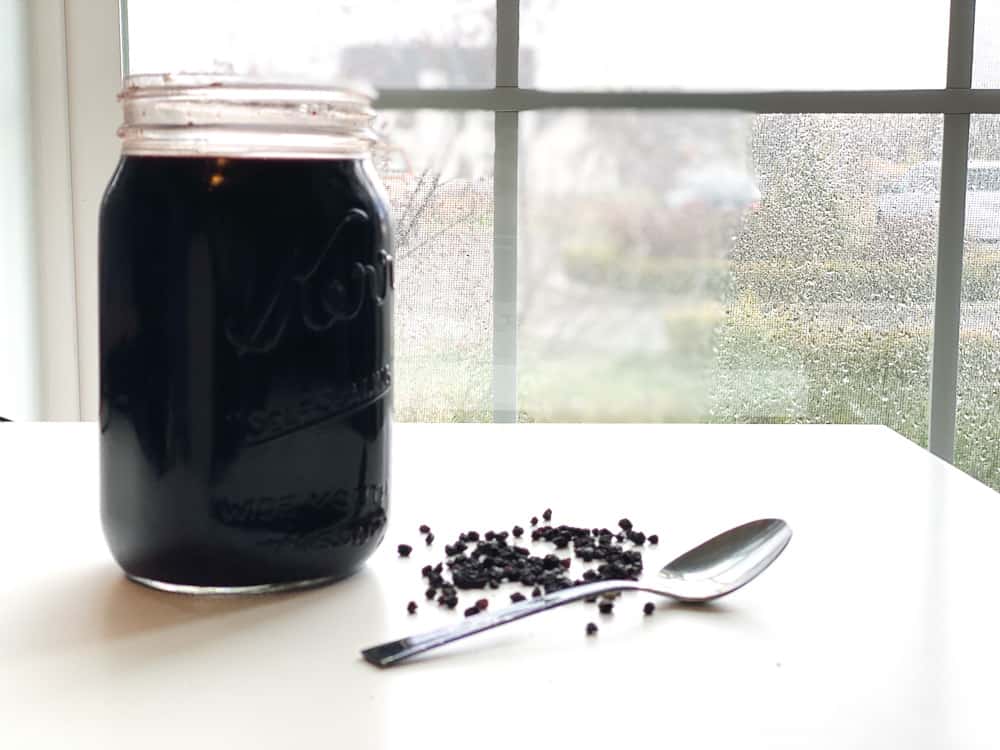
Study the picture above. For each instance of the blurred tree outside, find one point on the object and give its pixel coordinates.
(441, 197)
(800, 309)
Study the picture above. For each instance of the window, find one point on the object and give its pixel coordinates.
(389, 43)
(978, 420)
(727, 267)
(640, 213)
(986, 62)
(731, 45)
(437, 167)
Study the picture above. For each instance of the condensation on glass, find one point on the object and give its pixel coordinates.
(438, 170)
(977, 427)
(727, 267)
(246, 296)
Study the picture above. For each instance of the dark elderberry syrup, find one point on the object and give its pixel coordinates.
(245, 354)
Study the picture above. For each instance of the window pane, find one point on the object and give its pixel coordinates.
(388, 43)
(734, 44)
(727, 267)
(437, 168)
(986, 62)
(977, 439)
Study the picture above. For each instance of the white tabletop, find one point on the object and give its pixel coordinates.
(877, 628)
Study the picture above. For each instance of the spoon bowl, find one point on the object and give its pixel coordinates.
(714, 568)
(726, 562)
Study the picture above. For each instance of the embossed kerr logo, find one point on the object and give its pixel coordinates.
(311, 287)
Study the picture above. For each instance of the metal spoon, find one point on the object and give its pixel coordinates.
(712, 569)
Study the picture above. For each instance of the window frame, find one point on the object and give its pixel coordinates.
(57, 310)
(76, 71)
(956, 102)
(93, 116)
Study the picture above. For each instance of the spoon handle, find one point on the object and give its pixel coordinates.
(389, 653)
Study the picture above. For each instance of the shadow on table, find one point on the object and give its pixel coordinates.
(99, 606)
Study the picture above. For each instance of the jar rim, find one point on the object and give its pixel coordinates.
(220, 114)
(231, 84)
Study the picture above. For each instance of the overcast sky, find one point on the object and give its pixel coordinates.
(710, 44)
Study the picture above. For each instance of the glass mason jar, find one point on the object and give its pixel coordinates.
(246, 291)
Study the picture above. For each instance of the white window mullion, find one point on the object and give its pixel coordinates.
(951, 237)
(505, 220)
(507, 99)
(123, 28)
(59, 383)
(94, 70)
(508, 43)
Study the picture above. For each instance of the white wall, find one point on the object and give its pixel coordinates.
(19, 356)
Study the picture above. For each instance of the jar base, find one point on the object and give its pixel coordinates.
(263, 588)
